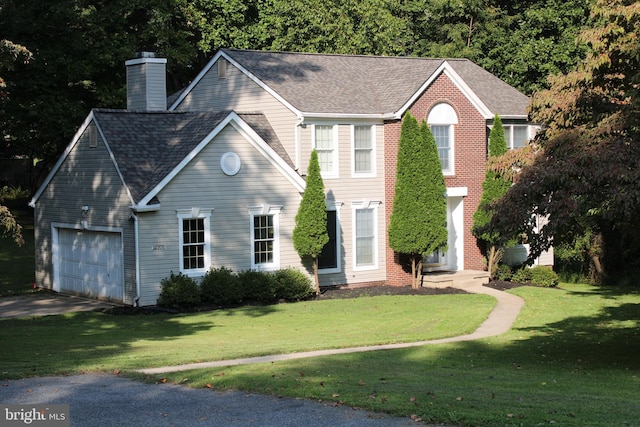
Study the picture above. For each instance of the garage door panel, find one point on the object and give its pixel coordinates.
(90, 263)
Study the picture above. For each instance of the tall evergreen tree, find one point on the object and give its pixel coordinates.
(310, 233)
(419, 216)
(494, 187)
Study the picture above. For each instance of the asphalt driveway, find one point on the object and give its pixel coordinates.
(46, 303)
(109, 400)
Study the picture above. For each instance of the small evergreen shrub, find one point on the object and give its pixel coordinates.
(258, 286)
(503, 273)
(536, 276)
(179, 291)
(292, 285)
(221, 287)
(544, 276)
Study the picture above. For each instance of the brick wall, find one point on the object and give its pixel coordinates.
(470, 142)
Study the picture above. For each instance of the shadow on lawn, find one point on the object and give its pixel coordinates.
(87, 341)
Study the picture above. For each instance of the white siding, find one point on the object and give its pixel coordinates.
(203, 184)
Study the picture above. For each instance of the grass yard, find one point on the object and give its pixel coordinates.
(570, 360)
(78, 342)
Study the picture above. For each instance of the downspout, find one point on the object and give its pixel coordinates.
(297, 141)
(136, 233)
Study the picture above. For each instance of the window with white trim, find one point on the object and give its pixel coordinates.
(363, 144)
(325, 142)
(265, 237)
(516, 135)
(441, 121)
(365, 236)
(195, 240)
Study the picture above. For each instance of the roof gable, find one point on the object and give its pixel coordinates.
(149, 148)
(319, 84)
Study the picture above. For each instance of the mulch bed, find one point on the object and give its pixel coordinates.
(332, 293)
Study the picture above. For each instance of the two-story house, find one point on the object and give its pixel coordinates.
(213, 177)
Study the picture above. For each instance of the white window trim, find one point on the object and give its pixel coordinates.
(336, 165)
(509, 128)
(365, 204)
(372, 173)
(261, 210)
(443, 114)
(338, 269)
(195, 213)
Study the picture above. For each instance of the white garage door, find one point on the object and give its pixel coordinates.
(90, 263)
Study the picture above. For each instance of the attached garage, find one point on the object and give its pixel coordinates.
(89, 262)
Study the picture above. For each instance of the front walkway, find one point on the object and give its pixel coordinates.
(499, 321)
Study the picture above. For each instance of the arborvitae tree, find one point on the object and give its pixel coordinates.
(310, 233)
(494, 187)
(419, 217)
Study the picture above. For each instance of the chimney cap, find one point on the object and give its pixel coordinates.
(145, 54)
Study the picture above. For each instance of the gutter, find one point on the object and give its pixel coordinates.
(296, 136)
(136, 228)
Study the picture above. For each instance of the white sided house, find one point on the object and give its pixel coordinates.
(214, 177)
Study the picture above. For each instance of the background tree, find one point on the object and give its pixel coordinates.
(586, 173)
(419, 217)
(494, 187)
(310, 232)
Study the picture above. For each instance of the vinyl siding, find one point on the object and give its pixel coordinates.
(203, 184)
(239, 93)
(87, 177)
(146, 87)
(347, 190)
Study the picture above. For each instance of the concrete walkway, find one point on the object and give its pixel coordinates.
(499, 321)
(46, 303)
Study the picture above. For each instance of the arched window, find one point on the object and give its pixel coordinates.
(441, 119)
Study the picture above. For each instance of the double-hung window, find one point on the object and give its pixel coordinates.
(325, 142)
(265, 239)
(441, 121)
(365, 235)
(363, 143)
(195, 249)
(516, 135)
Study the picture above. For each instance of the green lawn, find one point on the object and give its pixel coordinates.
(80, 342)
(570, 360)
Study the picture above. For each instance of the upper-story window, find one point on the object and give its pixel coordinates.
(516, 135)
(325, 142)
(363, 144)
(441, 121)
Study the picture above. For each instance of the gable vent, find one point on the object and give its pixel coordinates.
(222, 68)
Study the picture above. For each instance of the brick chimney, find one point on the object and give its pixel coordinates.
(146, 82)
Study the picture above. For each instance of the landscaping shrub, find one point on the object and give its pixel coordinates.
(537, 276)
(503, 273)
(221, 287)
(179, 291)
(292, 285)
(258, 286)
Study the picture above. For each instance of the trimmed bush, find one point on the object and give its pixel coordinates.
(537, 276)
(179, 291)
(503, 272)
(258, 286)
(221, 287)
(292, 285)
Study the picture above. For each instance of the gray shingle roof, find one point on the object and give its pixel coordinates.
(357, 84)
(147, 146)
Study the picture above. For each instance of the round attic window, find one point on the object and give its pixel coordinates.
(230, 163)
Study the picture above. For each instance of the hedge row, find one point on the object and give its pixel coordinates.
(536, 276)
(221, 287)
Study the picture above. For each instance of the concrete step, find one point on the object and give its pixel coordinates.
(455, 279)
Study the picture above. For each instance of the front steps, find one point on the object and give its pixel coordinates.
(454, 279)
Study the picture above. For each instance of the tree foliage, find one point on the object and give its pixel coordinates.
(585, 176)
(310, 232)
(494, 187)
(418, 220)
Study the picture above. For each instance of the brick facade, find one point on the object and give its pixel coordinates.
(470, 148)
